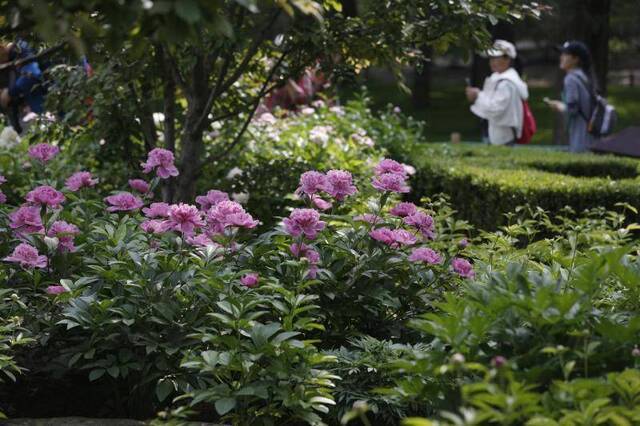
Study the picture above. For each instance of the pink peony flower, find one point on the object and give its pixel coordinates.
(184, 218)
(2, 179)
(27, 256)
(241, 220)
(462, 267)
(390, 182)
(45, 195)
(426, 255)
(65, 232)
(384, 235)
(339, 184)
(368, 217)
(218, 215)
(156, 210)
(3, 198)
(161, 160)
(43, 152)
(390, 166)
(304, 222)
(155, 226)
(139, 185)
(26, 219)
(201, 240)
(79, 180)
(212, 198)
(404, 209)
(123, 202)
(423, 222)
(250, 280)
(311, 183)
(320, 204)
(393, 238)
(55, 289)
(404, 238)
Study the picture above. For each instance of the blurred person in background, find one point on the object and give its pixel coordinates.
(500, 101)
(577, 94)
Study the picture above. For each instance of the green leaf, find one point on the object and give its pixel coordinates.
(224, 405)
(96, 374)
(164, 389)
(188, 10)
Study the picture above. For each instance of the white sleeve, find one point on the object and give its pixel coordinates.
(491, 105)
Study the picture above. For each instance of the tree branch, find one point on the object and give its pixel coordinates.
(175, 70)
(41, 54)
(256, 103)
(221, 86)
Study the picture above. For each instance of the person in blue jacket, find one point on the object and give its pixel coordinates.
(26, 87)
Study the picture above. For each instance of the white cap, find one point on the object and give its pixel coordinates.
(502, 48)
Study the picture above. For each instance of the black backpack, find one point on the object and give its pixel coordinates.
(603, 116)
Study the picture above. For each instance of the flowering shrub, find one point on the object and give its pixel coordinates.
(149, 298)
(355, 304)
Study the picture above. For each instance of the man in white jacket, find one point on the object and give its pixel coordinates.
(500, 100)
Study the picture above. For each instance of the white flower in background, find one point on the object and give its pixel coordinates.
(409, 169)
(9, 137)
(320, 134)
(158, 118)
(267, 118)
(362, 140)
(307, 111)
(236, 171)
(396, 109)
(337, 110)
(240, 197)
(216, 125)
(318, 103)
(48, 116)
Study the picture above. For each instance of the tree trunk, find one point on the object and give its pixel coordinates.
(169, 110)
(191, 143)
(421, 92)
(597, 37)
(190, 159)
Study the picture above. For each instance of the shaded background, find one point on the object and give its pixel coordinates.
(609, 27)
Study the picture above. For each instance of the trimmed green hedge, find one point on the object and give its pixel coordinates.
(486, 182)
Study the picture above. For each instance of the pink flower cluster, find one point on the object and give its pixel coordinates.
(304, 222)
(391, 176)
(217, 214)
(462, 267)
(336, 183)
(123, 202)
(228, 214)
(422, 222)
(65, 233)
(27, 256)
(394, 238)
(426, 255)
(139, 185)
(45, 196)
(43, 152)
(26, 220)
(80, 180)
(162, 161)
